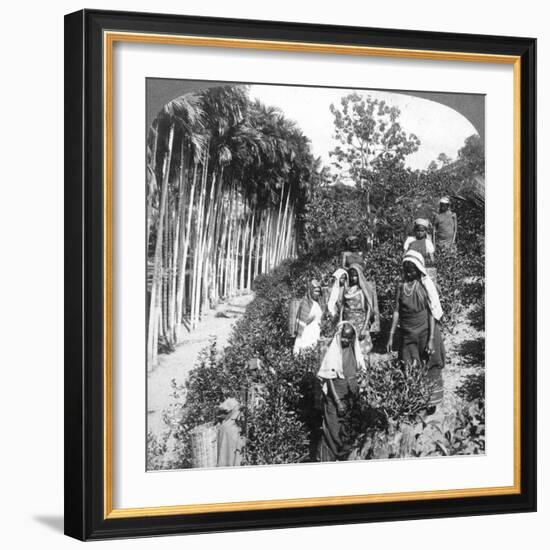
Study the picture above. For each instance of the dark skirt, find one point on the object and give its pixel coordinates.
(337, 433)
(414, 338)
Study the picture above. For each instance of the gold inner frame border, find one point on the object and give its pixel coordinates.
(109, 39)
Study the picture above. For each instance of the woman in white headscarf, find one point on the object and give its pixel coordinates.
(336, 296)
(308, 322)
(420, 242)
(338, 375)
(230, 440)
(418, 311)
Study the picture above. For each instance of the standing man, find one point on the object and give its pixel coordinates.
(353, 255)
(445, 226)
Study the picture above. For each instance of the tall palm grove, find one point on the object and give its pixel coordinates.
(227, 180)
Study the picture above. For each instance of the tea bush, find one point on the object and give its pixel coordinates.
(278, 428)
(283, 425)
(397, 390)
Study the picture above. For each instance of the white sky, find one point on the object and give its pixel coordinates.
(439, 128)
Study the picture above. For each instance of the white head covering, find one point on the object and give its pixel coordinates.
(335, 291)
(331, 366)
(229, 404)
(433, 295)
(417, 259)
(231, 407)
(445, 200)
(422, 221)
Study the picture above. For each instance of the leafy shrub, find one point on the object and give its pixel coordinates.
(333, 214)
(278, 429)
(468, 435)
(399, 196)
(398, 391)
(156, 450)
(472, 386)
(284, 425)
(274, 434)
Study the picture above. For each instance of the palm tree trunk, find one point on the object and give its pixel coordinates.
(281, 231)
(287, 252)
(258, 245)
(266, 242)
(210, 231)
(250, 251)
(277, 233)
(177, 250)
(196, 248)
(152, 168)
(235, 259)
(197, 267)
(243, 252)
(165, 275)
(227, 274)
(216, 236)
(156, 286)
(182, 288)
(221, 247)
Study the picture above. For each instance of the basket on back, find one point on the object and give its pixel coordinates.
(293, 307)
(204, 446)
(375, 324)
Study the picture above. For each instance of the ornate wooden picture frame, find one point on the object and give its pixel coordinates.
(90, 162)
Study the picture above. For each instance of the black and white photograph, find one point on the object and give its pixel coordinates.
(315, 274)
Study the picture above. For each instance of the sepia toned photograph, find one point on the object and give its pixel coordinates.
(315, 270)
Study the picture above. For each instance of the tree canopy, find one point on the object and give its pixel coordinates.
(371, 139)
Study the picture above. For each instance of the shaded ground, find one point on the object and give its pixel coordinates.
(458, 424)
(465, 358)
(463, 377)
(464, 372)
(177, 365)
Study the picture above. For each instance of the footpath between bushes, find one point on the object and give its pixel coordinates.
(176, 366)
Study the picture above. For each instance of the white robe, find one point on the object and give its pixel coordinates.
(312, 331)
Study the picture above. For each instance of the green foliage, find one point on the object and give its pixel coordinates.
(333, 214)
(468, 435)
(395, 390)
(472, 385)
(472, 155)
(278, 428)
(282, 426)
(248, 144)
(371, 137)
(462, 433)
(210, 383)
(156, 451)
(275, 434)
(400, 196)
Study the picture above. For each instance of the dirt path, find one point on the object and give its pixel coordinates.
(177, 365)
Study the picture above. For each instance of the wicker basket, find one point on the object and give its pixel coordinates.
(375, 325)
(432, 273)
(322, 348)
(293, 306)
(204, 446)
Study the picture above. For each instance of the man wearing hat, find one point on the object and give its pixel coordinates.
(445, 225)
